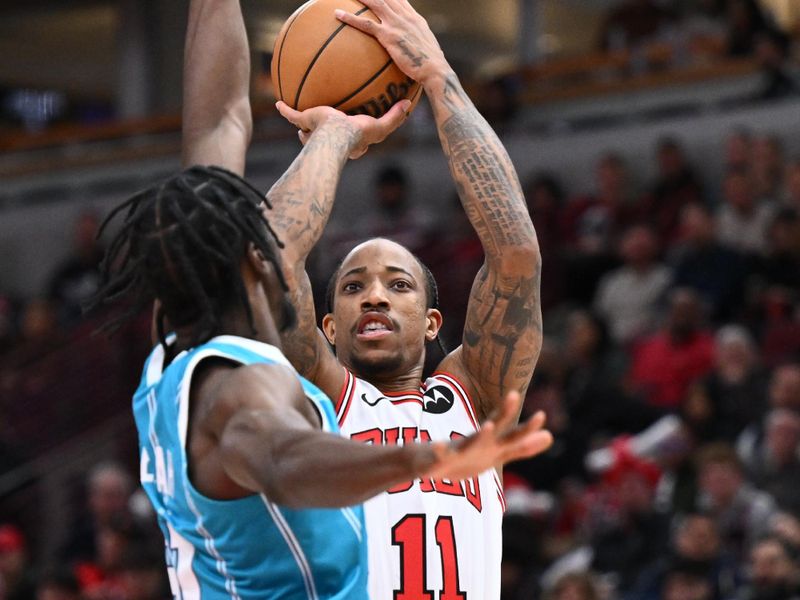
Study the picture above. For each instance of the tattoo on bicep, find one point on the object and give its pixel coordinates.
(503, 326)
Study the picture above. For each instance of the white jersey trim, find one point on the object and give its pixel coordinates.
(294, 547)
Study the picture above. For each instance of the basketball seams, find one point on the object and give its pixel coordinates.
(299, 12)
(365, 84)
(317, 55)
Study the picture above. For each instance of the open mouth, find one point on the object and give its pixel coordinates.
(374, 325)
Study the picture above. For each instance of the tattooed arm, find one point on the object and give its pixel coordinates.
(217, 119)
(301, 203)
(503, 332)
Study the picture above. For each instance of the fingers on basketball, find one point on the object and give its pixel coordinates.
(319, 61)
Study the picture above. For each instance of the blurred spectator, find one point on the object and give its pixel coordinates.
(773, 52)
(57, 584)
(574, 586)
(701, 263)
(77, 277)
(731, 397)
(633, 23)
(681, 583)
(775, 280)
(738, 150)
(772, 461)
(544, 196)
(629, 297)
(591, 226)
(396, 217)
(594, 221)
(665, 364)
(742, 512)
(704, 22)
(781, 336)
(626, 532)
(775, 574)
(16, 581)
(675, 186)
(7, 325)
(697, 553)
(742, 220)
(109, 489)
(142, 574)
(783, 393)
(745, 22)
(593, 395)
(768, 168)
(791, 194)
(497, 102)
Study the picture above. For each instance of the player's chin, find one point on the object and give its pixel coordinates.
(377, 361)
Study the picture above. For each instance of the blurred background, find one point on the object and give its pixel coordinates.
(658, 142)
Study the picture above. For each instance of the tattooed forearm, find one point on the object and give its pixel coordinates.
(484, 175)
(503, 329)
(302, 199)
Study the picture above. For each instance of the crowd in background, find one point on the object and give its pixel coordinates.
(670, 375)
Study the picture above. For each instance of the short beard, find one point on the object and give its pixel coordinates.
(376, 368)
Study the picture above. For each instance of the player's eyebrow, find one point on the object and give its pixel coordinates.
(356, 271)
(400, 270)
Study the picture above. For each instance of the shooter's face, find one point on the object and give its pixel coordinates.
(380, 322)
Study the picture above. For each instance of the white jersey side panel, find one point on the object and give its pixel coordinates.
(427, 539)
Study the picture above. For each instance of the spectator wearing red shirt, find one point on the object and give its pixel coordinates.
(665, 364)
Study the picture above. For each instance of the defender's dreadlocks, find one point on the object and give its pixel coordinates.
(182, 242)
(431, 292)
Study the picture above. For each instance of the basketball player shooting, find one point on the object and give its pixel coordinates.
(255, 496)
(427, 538)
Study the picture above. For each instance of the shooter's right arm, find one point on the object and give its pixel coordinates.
(302, 200)
(268, 445)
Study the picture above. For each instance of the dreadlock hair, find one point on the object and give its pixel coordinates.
(182, 242)
(431, 292)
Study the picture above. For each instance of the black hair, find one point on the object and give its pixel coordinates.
(182, 242)
(431, 291)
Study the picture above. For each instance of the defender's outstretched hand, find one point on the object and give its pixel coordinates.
(370, 129)
(406, 36)
(499, 441)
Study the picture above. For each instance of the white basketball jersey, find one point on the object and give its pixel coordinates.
(427, 539)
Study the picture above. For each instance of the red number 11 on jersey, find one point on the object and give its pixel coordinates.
(409, 535)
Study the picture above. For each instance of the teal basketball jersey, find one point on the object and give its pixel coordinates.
(249, 548)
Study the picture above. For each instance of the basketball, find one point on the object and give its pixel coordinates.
(320, 61)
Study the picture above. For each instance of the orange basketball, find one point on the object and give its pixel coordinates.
(318, 60)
